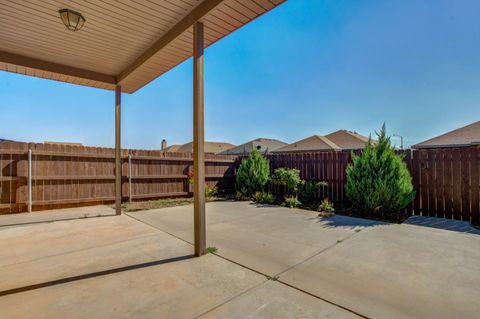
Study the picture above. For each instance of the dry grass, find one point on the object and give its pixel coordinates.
(154, 204)
(163, 203)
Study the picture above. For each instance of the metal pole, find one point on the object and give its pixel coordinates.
(401, 140)
(198, 141)
(130, 178)
(29, 182)
(118, 150)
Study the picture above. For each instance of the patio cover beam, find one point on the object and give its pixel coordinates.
(198, 142)
(28, 62)
(196, 14)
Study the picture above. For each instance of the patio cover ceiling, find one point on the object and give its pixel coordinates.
(124, 42)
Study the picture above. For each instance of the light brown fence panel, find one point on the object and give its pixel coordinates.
(13, 182)
(66, 175)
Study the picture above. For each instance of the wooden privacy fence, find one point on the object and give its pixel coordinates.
(321, 166)
(65, 175)
(446, 181)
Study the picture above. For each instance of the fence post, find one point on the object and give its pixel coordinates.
(130, 178)
(29, 181)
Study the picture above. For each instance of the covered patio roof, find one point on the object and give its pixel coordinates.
(123, 42)
(122, 46)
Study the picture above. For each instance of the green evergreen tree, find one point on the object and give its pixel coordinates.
(378, 181)
(253, 173)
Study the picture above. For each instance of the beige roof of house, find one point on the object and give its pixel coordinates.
(262, 144)
(348, 140)
(210, 147)
(310, 144)
(464, 136)
(172, 148)
(129, 43)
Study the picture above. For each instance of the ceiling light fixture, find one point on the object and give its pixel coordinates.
(71, 19)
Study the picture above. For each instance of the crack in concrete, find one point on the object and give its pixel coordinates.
(268, 277)
(316, 254)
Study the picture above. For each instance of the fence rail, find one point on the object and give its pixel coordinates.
(64, 175)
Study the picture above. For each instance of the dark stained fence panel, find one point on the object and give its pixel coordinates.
(446, 181)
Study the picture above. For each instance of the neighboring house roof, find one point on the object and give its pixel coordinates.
(261, 144)
(348, 140)
(312, 143)
(210, 147)
(172, 148)
(461, 137)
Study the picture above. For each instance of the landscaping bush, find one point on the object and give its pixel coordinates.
(252, 175)
(264, 198)
(378, 181)
(210, 192)
(326, 206)
(309, 189)
(241, 197)
(288, 177)
(292, 202)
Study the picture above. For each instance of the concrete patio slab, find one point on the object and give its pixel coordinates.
(398, 271)
(182, 289)
(274, 300)
(269, 239)
(337, 267)
(33, 242)
(120, 267)
(10, 220)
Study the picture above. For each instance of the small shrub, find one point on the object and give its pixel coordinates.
(324, 187)
(190, 177)
(253, 173)
(288, 177)
(211, 250)
(378, 181)
(292, 202)
(264, 198)
(309, 189)
(326, 206)
(240, 196)
(210, 192)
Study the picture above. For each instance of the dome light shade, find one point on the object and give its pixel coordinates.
(71, 19)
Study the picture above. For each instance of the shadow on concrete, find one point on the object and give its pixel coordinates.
(339, 221)
(442, 223)
(258, 205)
(92, 275)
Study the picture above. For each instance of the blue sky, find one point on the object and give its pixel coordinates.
(308, 67)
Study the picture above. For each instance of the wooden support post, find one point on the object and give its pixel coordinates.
(29, 182)
(130, 178)
(118, 150)
(198, 141)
